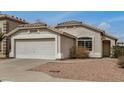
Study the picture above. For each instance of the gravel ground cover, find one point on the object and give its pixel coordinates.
(99, 70)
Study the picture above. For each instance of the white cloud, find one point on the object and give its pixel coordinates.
(104, 25)
(116, 19)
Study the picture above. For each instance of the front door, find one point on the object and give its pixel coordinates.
(106, 48)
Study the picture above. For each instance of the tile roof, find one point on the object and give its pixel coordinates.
(39, 26)
(5, 16)
(78, 23)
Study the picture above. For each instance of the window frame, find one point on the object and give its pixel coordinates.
(85, 40)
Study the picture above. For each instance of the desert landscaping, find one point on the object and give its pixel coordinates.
(104, 70)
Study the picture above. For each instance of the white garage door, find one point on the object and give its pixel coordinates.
(35, 48)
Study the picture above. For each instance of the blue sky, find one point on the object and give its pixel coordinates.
(112, 22)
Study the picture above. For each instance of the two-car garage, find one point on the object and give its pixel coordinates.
(40, 42)
(35, 48)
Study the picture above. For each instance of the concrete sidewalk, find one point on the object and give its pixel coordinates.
(15, 70)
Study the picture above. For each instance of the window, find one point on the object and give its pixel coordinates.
(85, 42)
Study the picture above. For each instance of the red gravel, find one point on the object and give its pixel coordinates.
(104, 70)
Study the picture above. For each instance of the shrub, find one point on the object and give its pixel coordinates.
(82, 52)
(116, 51)
(79, 52)
(121, 61)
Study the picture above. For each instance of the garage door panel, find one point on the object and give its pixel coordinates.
(39, 48)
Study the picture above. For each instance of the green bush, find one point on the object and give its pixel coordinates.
(79, 52)
(116, 51)
(121, 61)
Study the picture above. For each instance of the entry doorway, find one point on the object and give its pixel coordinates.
(106, 48)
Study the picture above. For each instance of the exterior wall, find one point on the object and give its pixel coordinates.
(62, 43)
(3, 25)
(26, 34)
(13, 24)
(66, 45)
(113, 42)
(7, 26)
(85, 32)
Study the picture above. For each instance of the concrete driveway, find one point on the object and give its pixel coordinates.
(15, 70)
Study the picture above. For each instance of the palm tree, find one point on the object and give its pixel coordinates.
(2, 36)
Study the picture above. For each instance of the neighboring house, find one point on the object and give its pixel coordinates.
(96, 40)
(7, 23)
(120, 44)
(43, 42)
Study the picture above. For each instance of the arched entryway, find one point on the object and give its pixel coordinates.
(106, 48)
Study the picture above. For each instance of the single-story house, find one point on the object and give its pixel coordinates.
(96, 40)
(39, 41)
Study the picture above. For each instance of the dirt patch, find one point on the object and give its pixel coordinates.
(104, 70)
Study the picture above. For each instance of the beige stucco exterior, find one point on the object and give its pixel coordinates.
(113, 42)
(84, 32)
(62, 47)
(80, 31)
(66, 44)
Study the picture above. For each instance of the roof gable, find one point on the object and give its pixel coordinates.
(38, 26)
(77, 23)
(81, 24)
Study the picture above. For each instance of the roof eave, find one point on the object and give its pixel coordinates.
(112, 37)
(83, 25)
(87, 26)
(39, 27)
(4, 16)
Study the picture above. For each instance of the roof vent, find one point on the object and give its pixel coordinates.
(70, 22)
